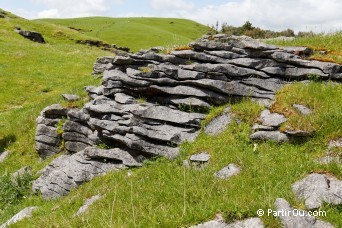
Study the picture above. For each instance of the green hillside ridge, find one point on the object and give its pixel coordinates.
(162, 193)
(136, 33)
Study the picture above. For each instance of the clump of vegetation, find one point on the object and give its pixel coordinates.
(13, 191)
(59, 126)
(247, 29)
(182, 48)
(103, 146)
(145, 69)
(141, 100)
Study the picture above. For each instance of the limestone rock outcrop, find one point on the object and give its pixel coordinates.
(149, 103)
(69, 171)
(316, 189)
(48, 138)
(31, 35)
(291, 217)
(247, 223)
(25, 213)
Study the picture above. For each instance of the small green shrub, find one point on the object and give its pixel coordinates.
(314, 77)
(12, 191)
(103, 146)
(59, 126)
(145, 69)
(141, 100)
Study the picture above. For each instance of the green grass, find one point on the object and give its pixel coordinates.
(33, 76)
(162, 193)
(330, 43)
(137, 33)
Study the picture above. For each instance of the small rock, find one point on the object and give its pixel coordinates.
(258, 127)
(211, 224)
(335, 143)
(287, 213)
(316, 189)
(271, 119)
(87, 203)
(228, 171)
(202, 157)
(25, 213)
(270, 136)
(298, 133)
(302, 109)
(329, 159)
(219, 123)
(3, 156)
(54, 111)
(70, 97)
(124, 99)
(247, 223)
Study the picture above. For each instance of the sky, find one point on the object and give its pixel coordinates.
(299, 15)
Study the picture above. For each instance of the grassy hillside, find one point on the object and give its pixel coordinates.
(136, 33)
(162, 193)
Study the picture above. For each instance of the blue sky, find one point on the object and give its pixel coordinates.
(317, 15)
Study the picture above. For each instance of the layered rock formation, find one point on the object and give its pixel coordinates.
(31, 35)
(149, 103)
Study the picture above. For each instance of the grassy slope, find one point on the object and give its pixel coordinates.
(33, 76)
(137, 33)
(162, 193)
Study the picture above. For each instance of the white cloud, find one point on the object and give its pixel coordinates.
(74, 8)
(51, 13)
(274, 14)
(170, 5)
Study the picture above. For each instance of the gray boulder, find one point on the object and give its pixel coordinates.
(25, 213)
(270, 136)
(247, 223)
(70, 97)
(165, 114)
(54, 111)
(258, 127)
(219, 123)
(124, 98)
(329, 159)
(201, 157)
(316, 189)
(228, 171)
(271, 119)
(67, 172)
(86, 205)
(298, 133)
(291, 218)
(302, 109)
(211, 224)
